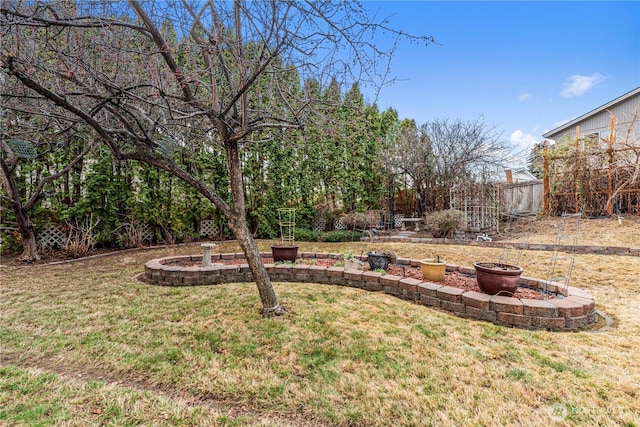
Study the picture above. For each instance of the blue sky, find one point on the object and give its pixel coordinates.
(527, 67)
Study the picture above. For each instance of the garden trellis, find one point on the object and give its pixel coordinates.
(593, 175)
(480, 203)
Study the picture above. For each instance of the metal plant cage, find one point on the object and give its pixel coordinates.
(23, 149)
(287, 218)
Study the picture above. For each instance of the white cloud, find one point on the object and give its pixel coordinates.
(577, 85)
(525, 97)
(523, 141)
(521, 144)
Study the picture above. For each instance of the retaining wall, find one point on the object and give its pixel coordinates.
(573, 309)
(549, 247)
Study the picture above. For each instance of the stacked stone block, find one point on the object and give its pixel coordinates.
(572, 309)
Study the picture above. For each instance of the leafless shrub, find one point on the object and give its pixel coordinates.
(359, 220)
(168, 237)
(81, 240)
(131, 233)
(444, 223)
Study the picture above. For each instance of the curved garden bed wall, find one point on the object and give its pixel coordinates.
(574, 309)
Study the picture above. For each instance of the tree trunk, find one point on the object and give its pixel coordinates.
(270, 305)
(27, 235)
(23, 220)
(25, 228)
(238, 223)
(29, 246)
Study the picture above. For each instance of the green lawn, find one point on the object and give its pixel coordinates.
(85, 344)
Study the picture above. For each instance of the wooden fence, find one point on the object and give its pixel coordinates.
(522, 198)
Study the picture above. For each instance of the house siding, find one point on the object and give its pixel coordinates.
(599, 121)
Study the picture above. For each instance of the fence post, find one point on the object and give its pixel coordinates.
(610, 159)
(575, 171)
(545, 180)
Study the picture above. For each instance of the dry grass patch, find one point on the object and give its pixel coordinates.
(36, 397)
(339, 357)
(623, 231)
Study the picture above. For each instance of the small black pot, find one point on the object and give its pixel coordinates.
(377, 261)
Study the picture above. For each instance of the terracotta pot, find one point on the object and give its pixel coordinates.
(378, 261)
(433, 270)
(497, 278)
(284, 253)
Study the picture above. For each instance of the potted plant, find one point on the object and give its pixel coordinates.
(433, 269)
(380, 259)
(287, 251)
(497, 278)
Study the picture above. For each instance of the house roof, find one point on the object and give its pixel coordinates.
(604, 107)
(522, 174)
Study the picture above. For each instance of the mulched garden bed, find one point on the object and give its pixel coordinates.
(454, 279)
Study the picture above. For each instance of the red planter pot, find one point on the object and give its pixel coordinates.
(497, 278)
(284, 253)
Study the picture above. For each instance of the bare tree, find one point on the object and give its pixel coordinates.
(154, 78)
(20, 142)
(441, 153)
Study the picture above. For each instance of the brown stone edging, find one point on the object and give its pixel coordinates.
(573, 310)
(579, 249)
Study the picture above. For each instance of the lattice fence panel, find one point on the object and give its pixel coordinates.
(482, 218)
(146, 232)
(52, 236)
(480, 204)
(340, 225)
(319, 224)
(397, 220)
(208, 228)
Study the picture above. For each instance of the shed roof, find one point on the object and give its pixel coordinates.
(604, 107)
